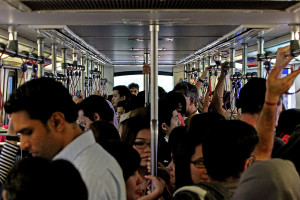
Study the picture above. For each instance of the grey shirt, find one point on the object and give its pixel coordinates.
(99, 170)
(273, 179)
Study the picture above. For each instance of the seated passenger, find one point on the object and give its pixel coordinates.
(120, 93)
(134, 88)
(34, 179)
(94, 108)
(48, 128)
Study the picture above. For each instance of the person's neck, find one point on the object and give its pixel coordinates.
(192, 111)
(72, 131)
(251, 119)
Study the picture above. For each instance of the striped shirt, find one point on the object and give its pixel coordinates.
(7, 160)
(99, 170)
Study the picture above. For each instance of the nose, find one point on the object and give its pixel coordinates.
(25, 144)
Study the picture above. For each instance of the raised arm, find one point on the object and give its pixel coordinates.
(276, 86)
(217, 100)
(201, 79)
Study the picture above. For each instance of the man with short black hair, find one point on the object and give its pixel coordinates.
(120, 93)
(43, 112)
(94, 108)
(134, 88)
(120, 109)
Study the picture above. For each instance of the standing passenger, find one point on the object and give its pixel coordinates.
(134, 88)
(47, 124)
(120, 93)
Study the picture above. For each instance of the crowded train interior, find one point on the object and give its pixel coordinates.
(150, 99)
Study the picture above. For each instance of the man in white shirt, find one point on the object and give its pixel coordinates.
(44, 114)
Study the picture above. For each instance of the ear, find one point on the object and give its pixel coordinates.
(192, 100)
(246, 164)
(57, 121)
(123, 98)
(164, 126)
(96, 117)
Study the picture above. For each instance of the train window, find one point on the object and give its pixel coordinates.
(11, 82)
(164, 81)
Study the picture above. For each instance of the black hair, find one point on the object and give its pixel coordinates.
(34, 179)
(131, 128)
(109, 97)
(177, 100)
(200, 123)
(134, 85)
(104, 131)
(188, 89)
(226, 147)
(175, 138)
(123, 91)
(96, 104)
(40, 98)
(121, 104)
(161, 92)
(252, 96)
(287, 122)
(127, 157)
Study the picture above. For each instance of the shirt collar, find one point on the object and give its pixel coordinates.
(73, 149)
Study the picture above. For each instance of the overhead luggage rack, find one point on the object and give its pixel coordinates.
(42, 5)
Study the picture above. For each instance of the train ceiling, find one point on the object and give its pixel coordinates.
(119, 29)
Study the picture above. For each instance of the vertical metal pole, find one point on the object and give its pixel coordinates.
(188, 74)
(146, 81)
(199, 67)
(232, 71)
(64, 64)
(209, 61)
(260, 51)
(82, 76)
(41, 44)
(154, 98)
(185, 72)
(54, 62)
(75, 58)
(203, 64)
(244, 62)
(87, 65)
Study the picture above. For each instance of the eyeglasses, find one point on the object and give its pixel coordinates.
(198, 163)
(141, 144)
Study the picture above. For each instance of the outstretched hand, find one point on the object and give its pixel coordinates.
(275, 84)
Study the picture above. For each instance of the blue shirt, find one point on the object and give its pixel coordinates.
(99, 170)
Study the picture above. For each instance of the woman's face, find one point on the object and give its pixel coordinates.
(171, 167)
(134, 186)
(198, 171)
(142, 146)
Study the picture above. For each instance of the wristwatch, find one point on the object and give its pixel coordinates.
(12, 138)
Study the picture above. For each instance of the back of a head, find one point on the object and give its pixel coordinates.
(287, 122)
(226, 147)
(203, 121)
(176, 100)
(123, 91)
(176, 136)
(35, 94)
(104, 131)
(96, 104)
(34, 179)
(252, 96)
(127, 157)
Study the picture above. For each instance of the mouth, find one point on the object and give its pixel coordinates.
(139, 192)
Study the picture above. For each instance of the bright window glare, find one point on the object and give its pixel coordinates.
(165, 82)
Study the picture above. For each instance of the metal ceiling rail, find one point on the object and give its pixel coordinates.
(68, 38)
(237, 36)
(23, 54)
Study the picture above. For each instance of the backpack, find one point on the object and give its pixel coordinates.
(203, 191)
